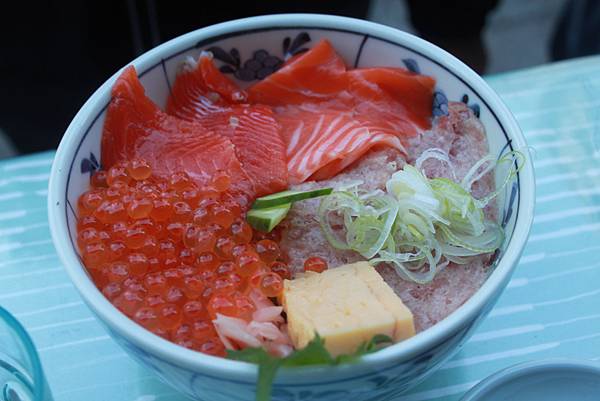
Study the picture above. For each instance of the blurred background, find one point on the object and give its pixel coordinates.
(53, 54)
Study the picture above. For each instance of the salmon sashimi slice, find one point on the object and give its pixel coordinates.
(317, 75)
(258, 144)
(201, 157)
(200, 89)
(395, 95)
(136, 128)
(330, 116)
(321, 143)
(252, 128)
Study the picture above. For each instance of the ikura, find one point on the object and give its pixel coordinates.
(172, 255)
(315, 264)
(138, 169)
(268, 250)
(271, 285)
(281, 269)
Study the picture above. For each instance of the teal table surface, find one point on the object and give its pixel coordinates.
(550, 308)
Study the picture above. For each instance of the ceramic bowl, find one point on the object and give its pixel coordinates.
(545, 380)
(380, 375)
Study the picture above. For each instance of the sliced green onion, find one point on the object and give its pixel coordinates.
(386, 210)
(420, 273)
(517, 161)
(473, 175)
(458, 207)
(363, 233)
(367, 222)
(340, 203)
(419, 225)
(435, 153)
(488, 241)
(459, 260)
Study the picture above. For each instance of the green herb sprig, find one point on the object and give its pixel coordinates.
(314, 353)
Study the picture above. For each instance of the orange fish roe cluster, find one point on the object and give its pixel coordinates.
(171, 255)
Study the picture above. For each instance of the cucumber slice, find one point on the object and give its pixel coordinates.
(281, 198)
(266, 219)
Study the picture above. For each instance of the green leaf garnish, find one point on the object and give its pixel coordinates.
(314, 353)
(267, 368)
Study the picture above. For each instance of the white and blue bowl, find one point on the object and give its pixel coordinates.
(362, 44)
(544, 380)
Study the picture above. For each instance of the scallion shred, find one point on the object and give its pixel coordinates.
(418, 225)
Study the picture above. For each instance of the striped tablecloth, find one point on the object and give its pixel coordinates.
(550, 309)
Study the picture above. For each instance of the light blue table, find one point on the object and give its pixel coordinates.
(550, 309)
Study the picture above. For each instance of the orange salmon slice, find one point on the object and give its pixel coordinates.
(315, 76)
(204, 95)
(136, 128)
(394, 95)
(200, 89)
(258, 145)
(321, 143)
(330, 117)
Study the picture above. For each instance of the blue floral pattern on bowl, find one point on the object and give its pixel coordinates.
(89, 164)
(473, 106)
(261, 64)
(440, 103)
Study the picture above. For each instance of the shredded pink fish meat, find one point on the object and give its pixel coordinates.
(268, 314)
(235, 329)
(259, 300)
(265, 329)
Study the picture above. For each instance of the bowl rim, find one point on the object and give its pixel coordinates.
(524, 370)
(180, 356)
(19, 335)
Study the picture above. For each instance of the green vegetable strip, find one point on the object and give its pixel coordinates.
(314, 353)
(281, 198)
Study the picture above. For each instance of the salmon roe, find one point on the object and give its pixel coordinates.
(315, 264)
(171, 255)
